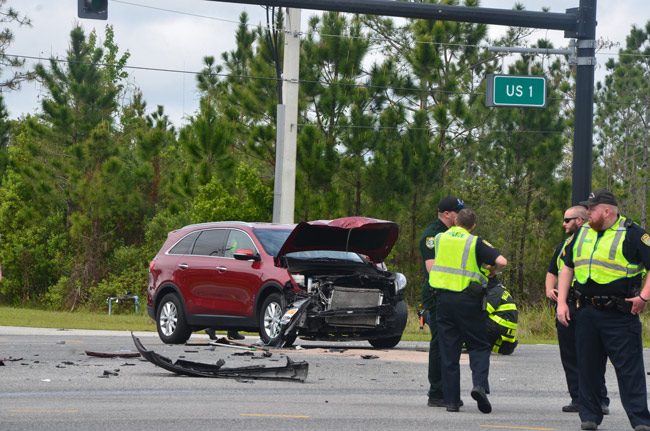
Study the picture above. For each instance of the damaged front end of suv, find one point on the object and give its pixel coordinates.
(345, 292)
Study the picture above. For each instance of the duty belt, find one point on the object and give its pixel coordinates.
(603, 303)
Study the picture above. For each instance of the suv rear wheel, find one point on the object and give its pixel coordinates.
(170, 321)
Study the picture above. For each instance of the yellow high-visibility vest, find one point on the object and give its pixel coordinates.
(455, 264)
(601, 258)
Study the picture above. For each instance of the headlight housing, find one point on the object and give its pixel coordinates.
(400, 282)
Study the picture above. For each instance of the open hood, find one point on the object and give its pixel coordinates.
(368, 236)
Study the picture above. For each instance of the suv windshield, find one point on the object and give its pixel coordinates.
(272, 239)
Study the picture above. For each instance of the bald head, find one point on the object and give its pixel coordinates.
(574, 217)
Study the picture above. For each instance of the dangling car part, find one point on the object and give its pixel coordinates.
(292, 371)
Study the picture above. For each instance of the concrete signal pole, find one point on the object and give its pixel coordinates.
(287, 123)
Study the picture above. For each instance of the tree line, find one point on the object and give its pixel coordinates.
(391, 119)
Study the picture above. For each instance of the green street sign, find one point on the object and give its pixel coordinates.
(512, 90)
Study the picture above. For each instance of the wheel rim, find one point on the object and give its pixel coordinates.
(168, 318)
(272, 316)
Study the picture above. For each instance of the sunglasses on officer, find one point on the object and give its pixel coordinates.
(568, 219)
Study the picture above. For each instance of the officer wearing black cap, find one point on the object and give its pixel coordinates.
(608, 258)
(448, 208)
(574, 218)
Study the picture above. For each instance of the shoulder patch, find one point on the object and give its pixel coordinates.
(646, 239)
(430, 242)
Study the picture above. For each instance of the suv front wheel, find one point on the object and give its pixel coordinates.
(269, 318)
(170, 321)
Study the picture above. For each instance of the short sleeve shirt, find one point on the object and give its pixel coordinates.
(552, 267)
(486, 254)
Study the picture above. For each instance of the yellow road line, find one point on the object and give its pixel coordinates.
(516, 427)
(267, 415)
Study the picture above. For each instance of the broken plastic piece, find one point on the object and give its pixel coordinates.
(123, 354)
(370, 356)
(293, 371)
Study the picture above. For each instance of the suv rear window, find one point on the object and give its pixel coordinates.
(210, 242)
(184, 246)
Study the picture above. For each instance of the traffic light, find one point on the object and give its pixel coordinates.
(92, 9)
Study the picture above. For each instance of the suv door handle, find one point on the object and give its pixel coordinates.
(183, 265)
(222, 269)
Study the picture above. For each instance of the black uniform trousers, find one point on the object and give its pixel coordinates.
(435, 383)
(566, 338)
(461, 318)
(617, 335)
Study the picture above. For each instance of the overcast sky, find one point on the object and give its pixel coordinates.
(175, 35)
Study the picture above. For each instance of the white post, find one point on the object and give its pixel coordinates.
(287, 124)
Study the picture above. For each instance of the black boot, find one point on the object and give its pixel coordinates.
(235, 335)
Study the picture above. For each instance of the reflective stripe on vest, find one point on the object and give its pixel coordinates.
(601, 259)
(512, 326)
(449, 272)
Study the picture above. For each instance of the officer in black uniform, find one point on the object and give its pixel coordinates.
(459, 275)
(608, 258)
(448, 208)
(574, 218)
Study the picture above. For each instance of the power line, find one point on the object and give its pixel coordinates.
(176, 11)
(371, 38)
(265, 78)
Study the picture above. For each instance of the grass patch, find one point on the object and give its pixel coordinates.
(10, 316)
(536, 326)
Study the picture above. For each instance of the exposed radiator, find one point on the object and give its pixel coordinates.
(349, 297)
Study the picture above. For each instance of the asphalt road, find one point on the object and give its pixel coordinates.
(49, 383)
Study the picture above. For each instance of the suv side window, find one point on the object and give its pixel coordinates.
(184, 246)
(210, 242)
(236, 240)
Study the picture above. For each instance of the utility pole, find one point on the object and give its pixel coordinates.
(584, 104)
(287, 123)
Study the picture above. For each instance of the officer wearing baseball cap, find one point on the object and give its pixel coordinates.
(608, 259)
(448, 208)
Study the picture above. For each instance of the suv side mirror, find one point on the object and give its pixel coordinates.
(246, 254)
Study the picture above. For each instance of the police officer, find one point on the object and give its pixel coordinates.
(460, 281)
(574, 218)
(608, 258)
(448, 208)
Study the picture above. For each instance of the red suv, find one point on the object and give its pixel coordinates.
(245, 276)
